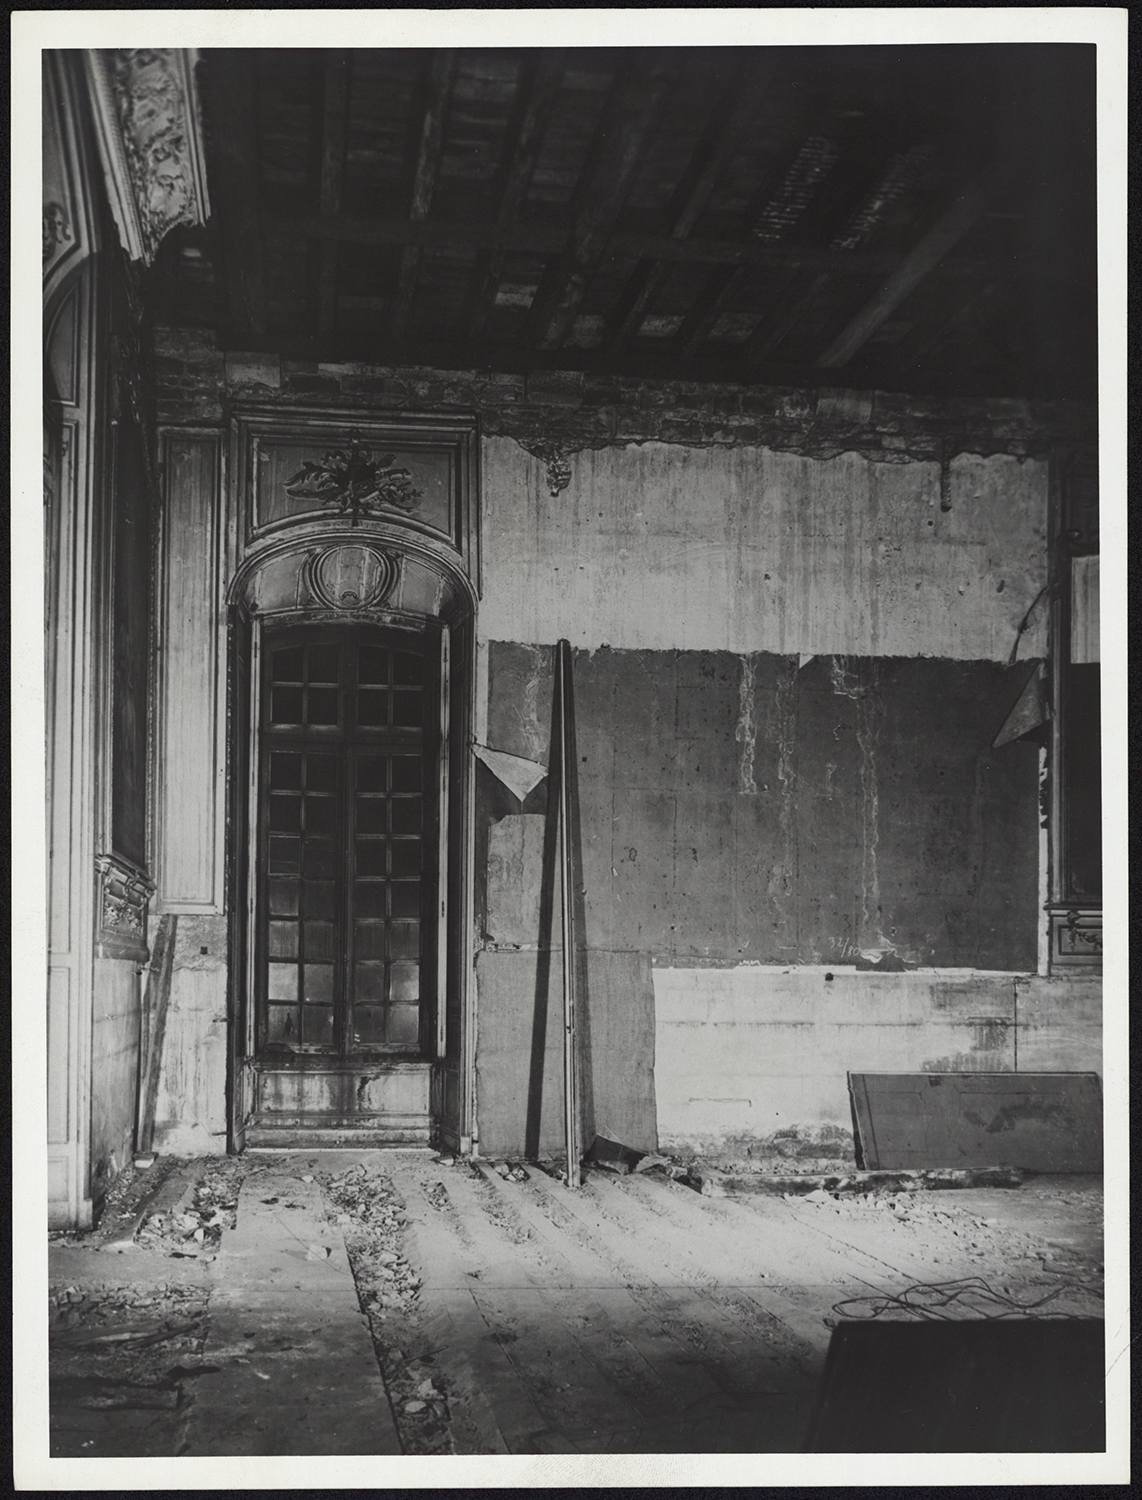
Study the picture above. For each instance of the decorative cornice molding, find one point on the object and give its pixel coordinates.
(150, 142)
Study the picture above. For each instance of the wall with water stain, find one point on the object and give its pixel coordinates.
(733, 808)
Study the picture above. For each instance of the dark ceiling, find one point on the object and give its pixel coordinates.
(919, 219)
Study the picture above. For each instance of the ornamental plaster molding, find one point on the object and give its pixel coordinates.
(121, 907)
(150, 142)
(555, 459)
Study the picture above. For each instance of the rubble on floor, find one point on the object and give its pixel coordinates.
(507, 1314)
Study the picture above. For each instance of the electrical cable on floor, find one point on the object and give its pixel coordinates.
(943, 1294)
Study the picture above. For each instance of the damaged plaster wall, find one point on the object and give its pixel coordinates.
(854, 814)
(743, 549)
(190, 1108)
(790, 675)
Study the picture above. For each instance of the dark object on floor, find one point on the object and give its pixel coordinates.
(613, 1155)
(1028, 1385)
(1044, 1122)
(852, 1184)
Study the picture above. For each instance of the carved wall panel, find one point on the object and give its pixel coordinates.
(413, 477)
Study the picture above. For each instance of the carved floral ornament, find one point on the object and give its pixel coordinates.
(556, 460)
(356, 483)
(57, 229)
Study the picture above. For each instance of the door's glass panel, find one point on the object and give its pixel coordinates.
(370, 857)
(371, 773)
(407, 668)
(319, 940)
(404, 983)
(320, 773)
(318, 984)
(372, 708)
(324, 664)
(320, 815)
(408, 709)
(371, 816)
(319, 899)
(405, 940)
(405, 899)
(373, 666)
(281, 1024)
(406, 773)
(318, 858)
(321, 705)
(404, 1025)
(369, 939)
(285, 705)
(405, 858)
(283, 982)
(285, 771)
(285, 813)
(285, 855)
(283, 897)
(287, 665)
(369, 981)
(406, 815)
(369, 898)
(368, 1025)
(283, 940)
(317, 1023)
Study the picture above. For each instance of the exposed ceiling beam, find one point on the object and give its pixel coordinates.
(631, 113)
(706, 309)
(335, 110)
(775, 326)
(430, 141)
(230, 107)
(479, 234)
(961, 215)
(733, 110)
(535, 97)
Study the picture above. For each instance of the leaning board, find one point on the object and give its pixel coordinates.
(1046, 1122)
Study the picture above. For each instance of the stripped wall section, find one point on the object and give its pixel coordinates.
(744, 549)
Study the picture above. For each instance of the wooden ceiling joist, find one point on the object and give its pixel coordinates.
(733, 110)
(485, 234)
(430, 142)
(632, 112)
(335, 110)
(962, 214)
(706, 309)
(534, 100)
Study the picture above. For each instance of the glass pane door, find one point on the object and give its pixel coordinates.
(344, 830)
